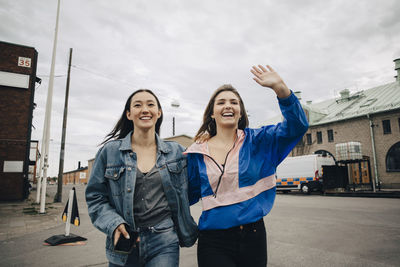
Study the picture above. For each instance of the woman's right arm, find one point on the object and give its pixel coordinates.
(104, 217)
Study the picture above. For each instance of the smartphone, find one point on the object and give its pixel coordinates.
(124, 245)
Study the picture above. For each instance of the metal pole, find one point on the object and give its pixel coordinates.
(64, 129)
(46, 137)
(39, 177)
(371, 127)
(174, 104)
(70, 203)
(173, 126)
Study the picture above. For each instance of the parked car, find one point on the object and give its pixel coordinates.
(302, 173)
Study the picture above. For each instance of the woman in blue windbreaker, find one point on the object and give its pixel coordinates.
(232, 168)
(137, 191)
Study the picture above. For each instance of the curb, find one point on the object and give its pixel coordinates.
(364, 194)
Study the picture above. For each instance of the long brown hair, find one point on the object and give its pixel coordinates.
(124, 126)
(209, 128)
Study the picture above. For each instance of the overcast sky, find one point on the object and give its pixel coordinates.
(183, 50)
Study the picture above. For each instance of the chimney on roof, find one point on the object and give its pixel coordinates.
(344, 94)
(298, 95)
(397, 68)
(79, 165)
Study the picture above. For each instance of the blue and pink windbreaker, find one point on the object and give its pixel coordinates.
(246, 192)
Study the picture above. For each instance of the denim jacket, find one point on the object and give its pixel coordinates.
(111, 187)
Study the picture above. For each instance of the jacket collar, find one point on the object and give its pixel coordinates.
(161, 145)
(202, 148)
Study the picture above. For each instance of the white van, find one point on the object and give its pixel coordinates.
(302, 173)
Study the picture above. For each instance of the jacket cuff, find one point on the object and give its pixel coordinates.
(287, 101)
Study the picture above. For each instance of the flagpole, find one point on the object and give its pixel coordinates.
(46, 135)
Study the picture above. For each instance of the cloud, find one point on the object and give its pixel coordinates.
(184, 50)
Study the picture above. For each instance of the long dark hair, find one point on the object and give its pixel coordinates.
(209, 128)
(124, 126)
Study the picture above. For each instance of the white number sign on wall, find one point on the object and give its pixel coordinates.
(24, 62)
(82, 175)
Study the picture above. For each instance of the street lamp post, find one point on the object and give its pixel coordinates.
(47, 119)
(174, 104)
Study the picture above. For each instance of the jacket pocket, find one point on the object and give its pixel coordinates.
(114, 176)
(177, 172)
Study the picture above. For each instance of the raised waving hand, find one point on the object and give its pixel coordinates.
(268, 77)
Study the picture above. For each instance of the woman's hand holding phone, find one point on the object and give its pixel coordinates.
(123, 242)
(121, 229)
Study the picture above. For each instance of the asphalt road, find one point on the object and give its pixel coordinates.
(302, 231)
(333, 231)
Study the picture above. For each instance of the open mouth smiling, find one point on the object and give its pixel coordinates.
(145, 118)
(227, 114)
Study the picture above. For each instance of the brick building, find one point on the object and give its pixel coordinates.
(371, 117)
(78, 176)
(90, 166)
(182, 139)
(17, 89)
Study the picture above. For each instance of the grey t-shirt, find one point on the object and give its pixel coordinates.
(150, 203)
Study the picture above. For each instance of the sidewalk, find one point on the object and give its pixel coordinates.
(19, 218)
(23, 231)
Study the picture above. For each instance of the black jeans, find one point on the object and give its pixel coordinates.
(244, 245)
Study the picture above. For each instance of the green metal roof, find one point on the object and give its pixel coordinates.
(375, 100)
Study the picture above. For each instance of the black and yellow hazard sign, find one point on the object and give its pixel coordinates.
(74, 211)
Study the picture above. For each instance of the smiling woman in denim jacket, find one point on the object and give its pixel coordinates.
(137, 191)
(232, 170)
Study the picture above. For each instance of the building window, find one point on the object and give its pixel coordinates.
(393, 158)
(399, 123)
(300, 143)
(319, 137)
(386, 127)
(309, 139)
(330, 135)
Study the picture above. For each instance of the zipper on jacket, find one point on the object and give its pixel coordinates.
(223, 167)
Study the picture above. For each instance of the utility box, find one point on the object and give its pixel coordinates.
(17, 89)
(348, 151)
(335, 177)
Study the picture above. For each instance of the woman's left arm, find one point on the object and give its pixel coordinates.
(289, 132)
